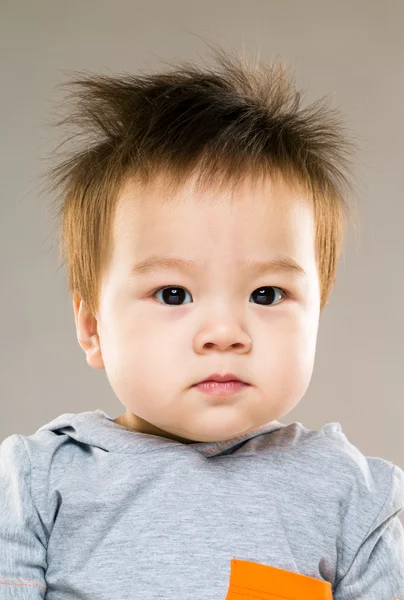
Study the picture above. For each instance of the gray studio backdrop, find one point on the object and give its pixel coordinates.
(354, 49)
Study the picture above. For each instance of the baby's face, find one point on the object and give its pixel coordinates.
(156, 344)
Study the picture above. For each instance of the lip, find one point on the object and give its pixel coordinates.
(222, 378)
(221, 388)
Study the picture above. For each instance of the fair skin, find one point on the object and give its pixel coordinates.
(154, 349)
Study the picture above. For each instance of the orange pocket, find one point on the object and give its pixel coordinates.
(253, 581)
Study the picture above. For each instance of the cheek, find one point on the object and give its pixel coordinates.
(144, 357)
(305, 351)
(289, 352)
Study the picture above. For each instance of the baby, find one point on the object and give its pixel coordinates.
(202, 222)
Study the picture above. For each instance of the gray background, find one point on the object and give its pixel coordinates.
(354, 49)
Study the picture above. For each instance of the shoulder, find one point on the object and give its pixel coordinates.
(330, 449)
(369, 474)
(39, 447)
(35, 463)
(341, 475)
(369, 490)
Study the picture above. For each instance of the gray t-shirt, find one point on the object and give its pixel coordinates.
(90, 510)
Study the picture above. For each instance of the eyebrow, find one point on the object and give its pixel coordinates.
(158, 262)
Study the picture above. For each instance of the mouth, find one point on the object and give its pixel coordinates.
(221, 388)
(226, 378)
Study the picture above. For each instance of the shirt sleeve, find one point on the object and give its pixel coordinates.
(23, 538)
(377, 569)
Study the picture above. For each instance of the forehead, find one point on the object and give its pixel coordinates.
(253, 220)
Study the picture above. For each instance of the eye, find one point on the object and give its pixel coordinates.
(265, 295)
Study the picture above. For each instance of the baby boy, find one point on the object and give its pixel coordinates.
(202, 223)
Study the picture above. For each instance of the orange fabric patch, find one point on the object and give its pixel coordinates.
(253, 581)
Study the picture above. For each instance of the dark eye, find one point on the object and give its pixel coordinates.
(177, 293)
(265, 295)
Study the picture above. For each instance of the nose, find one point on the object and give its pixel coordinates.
(223, 337)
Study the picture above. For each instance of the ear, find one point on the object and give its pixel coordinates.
(87, 334)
